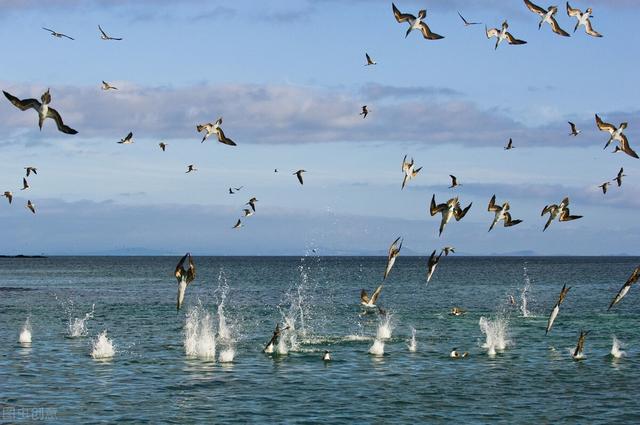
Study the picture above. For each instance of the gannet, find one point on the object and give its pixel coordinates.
(42, 108)
(394, 251)
(556, 308)
(184, 277)
(502, 34)
(547, 16)
(501, 213)
(625, 288)
(415, 23)
(370, 302)
(583, 19)
(57, 34)
(450, 209)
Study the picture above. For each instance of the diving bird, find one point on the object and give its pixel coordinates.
(502, 34)
(364, 112)
(214, 128)
(394, 251)
(501, 213)
(604, 187)
(547, 16)
(299, 175)
(30, 170)
(191, 168)
(583, 19)
(450, 209)
(562, 210)
(625, 288)
(370, 302)
(432, 264)
(25, 184)
(237, 225)
(556, 308)
(9, 195)
(127, 140)
(619, 177)
(104, 36)
(509, 145)
(184, 277)
(369, 60)
(252, 203)
(43, 110)
(615, 133)
(326, 356)
(467, 23)
(410, 172)
(448, 249)
(574, 129)
(578, 352)
(247, 212)
(274, 339)
(57, 34)
(163, 146)
(31, 206)
(454, 182)
(415, 23)
(106, 86)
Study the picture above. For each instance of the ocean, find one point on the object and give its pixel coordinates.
(107, 344)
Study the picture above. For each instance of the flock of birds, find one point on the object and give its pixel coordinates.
(448, 210)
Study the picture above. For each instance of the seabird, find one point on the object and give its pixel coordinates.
(547, 16)
(191, 168)
(247, 212)
(163, 146)
(614, 132)
(57, 34)
(574, 129)
(501, 213)
(512, 300)
(457, 355)
(42, 108)
(556, 308)
(447, 249)
(299, 175)
(326, 356)
(409, 170)
(214, 128)
(432, 264)
(369, 60)
(9, 195)
(415, 23)
(583, 19)
(454, 182)
(509, 145)
(619, 177)
(127, 140)
(25, 184)
(450, 209)
(252, 203)
(275, 170)
(604, 187)
(502, 34)
(466, 23)
(364, 112)
(184, 277)
(30, 170)
(457, 311)
(274, 340)
(370, 302)
(394, 251)
(237, 225)
(31, 206)
(233, 190)
(577, 353)
(625, 288)
(625, 148)
(554, 210)
(104, 36)
(107, 86)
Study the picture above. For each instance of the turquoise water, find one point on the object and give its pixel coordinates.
(151, 379)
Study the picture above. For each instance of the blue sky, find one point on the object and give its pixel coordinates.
(289, 80)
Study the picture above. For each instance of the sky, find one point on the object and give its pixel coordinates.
(288, 78)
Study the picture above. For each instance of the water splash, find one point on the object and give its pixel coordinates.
(226, 331)
(295, 317)
(616, 349)
(102, 347)
(377, 349)
(227, 355)
(78, 327)
(412, 345)
(523, 295)
(199, 336)
(25, 332)
(385, 328)
(496, 332)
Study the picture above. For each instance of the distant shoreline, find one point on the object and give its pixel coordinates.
(23, 256)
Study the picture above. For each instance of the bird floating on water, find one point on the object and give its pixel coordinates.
(450, 209)
(561, 210)
(43, 110)
(326, 356)
(104, 36)
(415, 23)
(583, 19)
(184, 277)
(625, 288)
(502, 34)
(457, 311)
(57, 34)
(501, 213)
(394, 251)
(455, 354)
(547, 16)
(556, 308)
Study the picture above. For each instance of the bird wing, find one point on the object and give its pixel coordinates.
(376, 294)
(634, 276)
(458, 213)
(224, 139)
(493, 32)
(191, 271)
(624, 147)
(535, 8)
(364, 297)
(556, 28)
(65, 35)
(180, 271)
(401, 17)
(589, 29)
(573, 12)
(428, 34)
(512, 40)
(23, 104)
(454, 180)
(435, 209)
(604, 126)
(492, 205)
(299, 175)
(54, 115)
(103, 33)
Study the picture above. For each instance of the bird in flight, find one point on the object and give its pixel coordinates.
(163, 146)
(556, 308)
(237, 225)
(583, 19)
(450, 209)
(25, 184)
(415, 23)
(252, 203)
(30, 170)
(604, 187)
(467, 23)
(509, 145)
(106, 86)
(394, 251)
(43, 110)
(214, 128)
(574, 129)
(299, 175)
(502, 34)
(31, 206)
(57, 34)
(9, 195)
(409, 170)
(547, 16)
(501, 213)
(369, 60)
(625, 288)
(191, 168)
(561, 210)
(454, 182)
(364, 112)
(104, 36)
(619, 177)
(184, 277)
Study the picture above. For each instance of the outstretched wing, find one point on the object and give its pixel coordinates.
(401, 17)
(23, 104)
(428, 34)
(492, 205)
(53, 114)
(572, 12)
(493, 32)
(512, 40)
(604, 126)
(589, 29)
(535, 8)
(556, 28)
(624, 147)
(224, 139)
(376, 294)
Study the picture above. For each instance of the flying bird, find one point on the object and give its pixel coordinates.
(127, 140)
(448, 249)
(252, 203)
(233, 190)
(247, 212)
(501, 213)
(625, 148)
(509, 145)
(364, 112)
(299, 175)
(583, 19)
(104, 36)
(184, 277)
(30, 170)
(394, 251)
(432, 264)
(370, 302)
(604, 187)
(547, 16)
(561, 210)
(574, 129)
(502, 34)
(556, 308)
(454, 182)
(237, 225)
(467, 23)
(31, 206)
(410, 172)
(9, 195)
(450, 209)
(214, 128)
(191, 168)
(163, 146)
(57, 34)
(369, 60)
(625, 288)
(578, 352)
(25, 184)
(106, 86)
(615, 133)
(619, 177)
(43, 110)
(415, 23)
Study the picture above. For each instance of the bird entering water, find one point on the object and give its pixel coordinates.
(184, 277)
